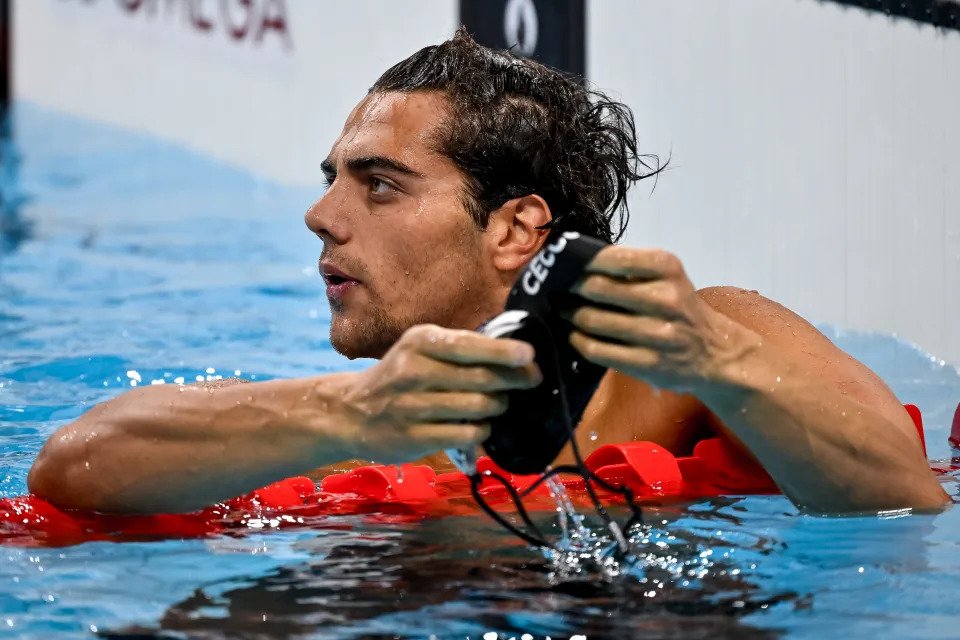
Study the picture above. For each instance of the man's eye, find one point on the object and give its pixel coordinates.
(328, 180)
(379, 187)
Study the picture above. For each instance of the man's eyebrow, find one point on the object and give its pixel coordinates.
(368, 163)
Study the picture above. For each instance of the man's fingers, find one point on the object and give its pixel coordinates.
(628, 328)
(467, 347)
(614, 356)
(657, 298)
(635, 264)
(446, 377)
(449, 405)
(443, 436)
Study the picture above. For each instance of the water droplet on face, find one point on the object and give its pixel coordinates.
(86, 465)
(593, 435)
(778, 378)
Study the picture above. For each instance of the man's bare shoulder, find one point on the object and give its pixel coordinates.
(811, 352)
(212, 385)
(761, 314)
(789, 331)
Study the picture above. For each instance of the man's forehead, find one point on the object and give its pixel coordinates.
(392, 123)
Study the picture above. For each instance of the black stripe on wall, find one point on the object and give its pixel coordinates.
(940, 13)
(550, 31)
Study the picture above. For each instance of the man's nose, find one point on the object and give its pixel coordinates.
(325, 218)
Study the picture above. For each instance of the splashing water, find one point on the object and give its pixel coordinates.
(566, 513)
(581, 548)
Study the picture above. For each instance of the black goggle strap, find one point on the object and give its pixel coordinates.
(582, 470)
(534, 535)
(536, 538)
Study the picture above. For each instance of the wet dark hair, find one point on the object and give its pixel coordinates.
(518, 128)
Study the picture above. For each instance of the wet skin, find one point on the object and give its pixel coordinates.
(683, 347)
(409, 276)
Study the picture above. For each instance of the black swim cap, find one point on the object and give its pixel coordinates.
(530, 435)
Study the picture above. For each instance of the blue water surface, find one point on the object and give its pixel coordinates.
(124, 260)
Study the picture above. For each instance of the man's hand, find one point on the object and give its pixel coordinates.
(436, 388)
(659, 330)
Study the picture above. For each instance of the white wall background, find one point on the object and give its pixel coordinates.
(814, 148)
(816, 154)
(273, 106)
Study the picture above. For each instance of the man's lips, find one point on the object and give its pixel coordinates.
(339, 282)
(334, 275)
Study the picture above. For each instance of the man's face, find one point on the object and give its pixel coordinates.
(399, 248)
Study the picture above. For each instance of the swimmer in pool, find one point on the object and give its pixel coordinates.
(447, 179)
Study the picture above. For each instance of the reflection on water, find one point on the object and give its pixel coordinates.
(459, 577)
(14, 228)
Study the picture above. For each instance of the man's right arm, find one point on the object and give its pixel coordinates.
(167, 449)
(180, 448)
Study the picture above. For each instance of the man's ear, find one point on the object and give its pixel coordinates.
(514, 233)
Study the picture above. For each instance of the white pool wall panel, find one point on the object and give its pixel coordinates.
(816, 154)
(815, 149)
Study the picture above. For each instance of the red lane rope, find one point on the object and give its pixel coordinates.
(413, 492)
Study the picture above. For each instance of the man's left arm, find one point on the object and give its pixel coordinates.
(829, 431)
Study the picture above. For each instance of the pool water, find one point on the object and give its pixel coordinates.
(124, 260)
